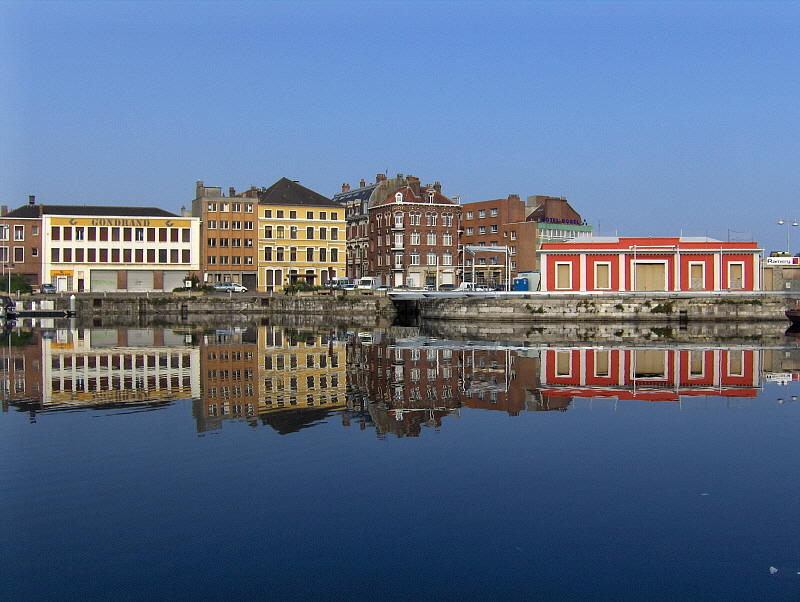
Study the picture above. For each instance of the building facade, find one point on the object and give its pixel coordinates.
(228, 251)
(301, 237)
(94, 248)
(556, 219)
(616, 264)
(414, 237)
(356, 204)
(21, 243)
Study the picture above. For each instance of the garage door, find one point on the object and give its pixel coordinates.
(103, 281)
(140, 280)
(651, 276)
(174, 279)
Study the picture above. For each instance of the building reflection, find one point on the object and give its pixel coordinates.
(287, 379)
(292, 378)
(648, 374)
(67, 368)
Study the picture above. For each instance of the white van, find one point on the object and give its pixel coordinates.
(472, 286)
(339, 282)
(369, 283)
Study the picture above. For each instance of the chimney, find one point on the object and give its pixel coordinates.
(513, 197)
(362, 183)
(345, 187)
(231, 191)
(3, 209)
(437, 186)
(31, 199)
(380, 177)
(413, 183)
(198, 188)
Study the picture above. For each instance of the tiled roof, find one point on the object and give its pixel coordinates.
(409, 196)
(288, 192)
(97, 210)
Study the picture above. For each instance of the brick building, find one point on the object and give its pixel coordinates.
(227, 247)
(413, 237)
(497, 223)
(356, 204)
(21, 242)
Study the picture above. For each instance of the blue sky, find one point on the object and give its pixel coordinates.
(652, 118)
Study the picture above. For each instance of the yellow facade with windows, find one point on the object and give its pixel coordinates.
(300, 242)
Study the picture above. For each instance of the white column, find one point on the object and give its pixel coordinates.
(622, 283)
(718, 270)
(544, 259)
(582, 268)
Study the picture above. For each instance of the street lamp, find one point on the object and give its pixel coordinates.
(781, 222)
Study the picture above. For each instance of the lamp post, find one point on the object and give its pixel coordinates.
(781, 222)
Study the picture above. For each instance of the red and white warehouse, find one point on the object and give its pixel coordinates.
(616, 264)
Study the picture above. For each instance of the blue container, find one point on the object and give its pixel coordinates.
(520, 284)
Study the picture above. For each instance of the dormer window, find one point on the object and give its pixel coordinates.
(398, 197)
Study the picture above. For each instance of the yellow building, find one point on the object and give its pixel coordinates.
(301, 237)
(300, 370)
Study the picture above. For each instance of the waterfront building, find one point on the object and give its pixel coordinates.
(228, 234)
(21, 243)
(497, 223)
(556, 219)
(614, 264)
(94, 248)
(414, 237)
(301, 236)
(781, 273)
(520, 227)
(357, 203)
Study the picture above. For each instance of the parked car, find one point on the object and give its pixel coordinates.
(234, 287)
(382, 287)
(47, 289)
(447, 287)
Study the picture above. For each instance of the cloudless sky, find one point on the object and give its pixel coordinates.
(651, 118)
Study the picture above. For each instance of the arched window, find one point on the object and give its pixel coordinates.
(398, 197)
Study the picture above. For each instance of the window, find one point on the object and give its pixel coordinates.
(103, 255)
(67, 255)
(310, 233)
(513, 235)
(267, 231)
(469, 232)
(398, 220)
(398, 259)
(334, 233)
(481, 213)
(322, 254)
(414, 257)
(293, 232)
(447, 239)
(447, 259)
(248, 225)
(248, 207)
(334, 215)
(431, 259)
(186, 235)
(431, 238)
(162, 256)
(55, 254)
(563, 275)
(309, 254)
(279, 254)
(55, 233)
(493, 228)
(279, 232)
(139, 233)
(139, 257)
(115, 255)
(223, 207)
(602, 275)
(279, 213)
(212, 224)
(19, 254)
(415, 238)
(493, 212)
(415, 219)
(309, 215)
(212, 260)
(293, 254)
(67, 233)
(736, 276)
(268, 213)
(481, 229)
(323, 233)
(248, 242)
(35, 230)
(267, 253)
(334, 255)
(35, 252)
(19, 232)
(469, 215)
(248, 260)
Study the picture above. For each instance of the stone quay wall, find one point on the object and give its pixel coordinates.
(656, 307)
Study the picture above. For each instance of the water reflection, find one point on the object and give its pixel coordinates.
(394, 380)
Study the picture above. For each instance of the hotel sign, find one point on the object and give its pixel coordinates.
(783, 261)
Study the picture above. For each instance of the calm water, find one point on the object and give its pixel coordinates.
(312, 463)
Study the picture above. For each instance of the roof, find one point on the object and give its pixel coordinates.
(409, 196)
(289, 192)
(648, 243)
(98, 210)
(359, 194)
